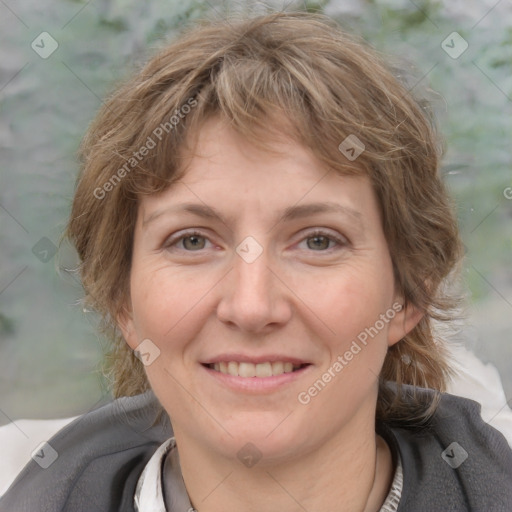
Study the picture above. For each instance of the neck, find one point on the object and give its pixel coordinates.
(353, 468)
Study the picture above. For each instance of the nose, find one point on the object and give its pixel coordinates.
(254, 297)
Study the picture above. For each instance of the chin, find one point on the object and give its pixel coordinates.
(267, 440)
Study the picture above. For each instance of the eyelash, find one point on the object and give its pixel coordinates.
(169, 243)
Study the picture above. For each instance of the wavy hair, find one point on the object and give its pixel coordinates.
(326, 84)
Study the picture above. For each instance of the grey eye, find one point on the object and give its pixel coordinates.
(196, 242)
(319, 242)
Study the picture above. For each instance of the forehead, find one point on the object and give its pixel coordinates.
(219, 150)
(227, 178)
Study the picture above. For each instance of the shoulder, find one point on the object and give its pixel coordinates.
(93, 462)
(481, 382)
(457, 462)
(20, 440)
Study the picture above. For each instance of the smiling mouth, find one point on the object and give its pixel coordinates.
(269, 369)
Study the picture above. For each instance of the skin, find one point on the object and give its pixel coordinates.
(306, 297)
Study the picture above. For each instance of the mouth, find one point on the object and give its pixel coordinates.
(250, 370)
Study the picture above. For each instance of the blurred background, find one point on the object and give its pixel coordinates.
(58, 60)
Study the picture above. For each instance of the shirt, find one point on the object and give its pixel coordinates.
(149, 495)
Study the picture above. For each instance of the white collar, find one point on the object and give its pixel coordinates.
(148, 493)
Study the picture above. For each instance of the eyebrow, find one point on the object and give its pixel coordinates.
(288, 214)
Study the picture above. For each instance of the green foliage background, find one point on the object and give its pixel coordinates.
(49, 351)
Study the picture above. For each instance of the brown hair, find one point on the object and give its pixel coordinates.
(328, 84)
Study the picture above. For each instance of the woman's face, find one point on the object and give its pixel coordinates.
(258, 263)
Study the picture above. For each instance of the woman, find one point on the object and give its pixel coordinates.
(262, 224)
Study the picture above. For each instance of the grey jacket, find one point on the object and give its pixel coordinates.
(456, 464)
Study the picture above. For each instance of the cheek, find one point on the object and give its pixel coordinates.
(350, 299)
(164, 302)
(357, 341)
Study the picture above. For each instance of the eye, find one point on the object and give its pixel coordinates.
(191, 242)
(195, 241)
(320, 241)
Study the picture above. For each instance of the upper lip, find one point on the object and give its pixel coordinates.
(244, 358)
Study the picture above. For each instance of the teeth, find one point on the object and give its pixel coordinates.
(277, 368)
(263, 370)
(246, 369)
(254, 370)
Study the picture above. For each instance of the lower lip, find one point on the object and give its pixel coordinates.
(256, 384)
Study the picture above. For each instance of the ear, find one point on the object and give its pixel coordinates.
(403, 322)
(126, 325)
